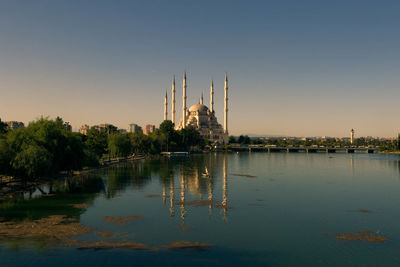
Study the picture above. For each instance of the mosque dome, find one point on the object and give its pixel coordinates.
(198, 108)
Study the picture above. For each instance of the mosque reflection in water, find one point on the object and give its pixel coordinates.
(182, 181)
(202, 188)
(194, 188)
(181, 188)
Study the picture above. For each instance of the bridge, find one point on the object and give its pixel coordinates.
(290, 149)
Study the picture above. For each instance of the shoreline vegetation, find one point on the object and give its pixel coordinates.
(23, 224)
(46, 150)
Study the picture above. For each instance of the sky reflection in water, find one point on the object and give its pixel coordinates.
(258, 208)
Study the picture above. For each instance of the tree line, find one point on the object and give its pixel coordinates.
(46, 147)
(384, 145)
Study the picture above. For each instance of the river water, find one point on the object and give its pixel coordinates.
(279, 209)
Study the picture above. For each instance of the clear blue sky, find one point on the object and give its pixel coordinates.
(295, 67)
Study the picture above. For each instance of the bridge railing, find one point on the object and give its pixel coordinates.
(311, 149)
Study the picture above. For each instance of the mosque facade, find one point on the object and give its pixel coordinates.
(199, 116)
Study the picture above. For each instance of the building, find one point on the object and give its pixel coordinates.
(134, 128)
(84, 129)
(102, 127)
(68, 126)
(149, 129)
(14, 125)
(201, 117)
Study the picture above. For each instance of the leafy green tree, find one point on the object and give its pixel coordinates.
(167, 128)
(111, 129)
(96, 142)
(398, 141)
(6, 155)
(32, 161)
(3, 127)
(232, 139)
(44, 148)
(119, 145)
(244, 139)
(190, 138)
(167, 134)
(154, 146)
(74, 152)
(140, 143)
(52, 136)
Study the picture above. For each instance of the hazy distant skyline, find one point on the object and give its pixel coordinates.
(298, 68)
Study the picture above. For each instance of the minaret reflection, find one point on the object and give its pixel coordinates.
(164, 193)
(210, 196)
(197, 184)
(199, 187)
(183, 211)
(352, 165)
(225, 189)
(171, 196)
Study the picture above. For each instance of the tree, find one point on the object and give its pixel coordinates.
(189, 138)
(3, 127)
(111, 129)
(232, 139)
(52, 136)
(74, 152)
(140, 143)
(167, 128)
(6, 155)
(44, 148)
(32, 161)
(119, 145)
(398, 141)
(96, 142)
(167, 133)
(154, 146)
(244, 139)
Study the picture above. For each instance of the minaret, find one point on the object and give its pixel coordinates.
(226, 105)
(212, 96)
(173, 100)
(166, 106)
(184, 101)
(201, 98)
(352, 136)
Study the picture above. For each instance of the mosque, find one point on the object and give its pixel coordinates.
(199, 116)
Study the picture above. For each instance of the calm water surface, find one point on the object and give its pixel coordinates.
(288, 214)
